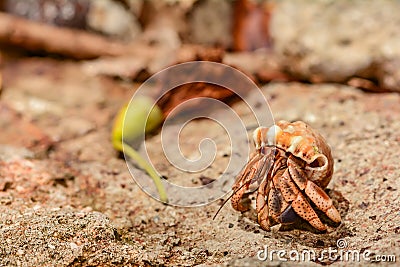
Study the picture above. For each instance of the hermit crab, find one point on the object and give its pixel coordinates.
(291, 166)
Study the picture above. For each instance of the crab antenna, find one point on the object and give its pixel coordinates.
(223, 204)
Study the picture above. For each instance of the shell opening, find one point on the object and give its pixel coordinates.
(319, 162)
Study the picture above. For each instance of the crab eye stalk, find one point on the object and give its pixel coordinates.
(259, 137)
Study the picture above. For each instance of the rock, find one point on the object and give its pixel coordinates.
(33, 237)
(211, 22)
(333, 41)
(113, 19)
(9, 153)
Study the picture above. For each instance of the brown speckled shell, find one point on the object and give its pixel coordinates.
(309, 146)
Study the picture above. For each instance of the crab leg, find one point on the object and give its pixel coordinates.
(322, 201)
(255, 170)
(287, 187)
(237, 196)
(289, 191)
(305, 211)
(262, 205)
(276, 201)
(297, 173)
(280, 210)
(244, 181)
(313, 191)
(242, 177)
(300, 204)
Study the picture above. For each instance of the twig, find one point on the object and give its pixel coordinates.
(72, 43)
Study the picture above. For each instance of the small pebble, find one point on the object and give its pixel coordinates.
(73, 245)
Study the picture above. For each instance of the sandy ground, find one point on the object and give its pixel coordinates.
(66, 198)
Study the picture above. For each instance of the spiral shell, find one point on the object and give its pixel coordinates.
(304, 143)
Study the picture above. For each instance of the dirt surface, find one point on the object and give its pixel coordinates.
(66, 198)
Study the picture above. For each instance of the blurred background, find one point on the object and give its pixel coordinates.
(326, 41)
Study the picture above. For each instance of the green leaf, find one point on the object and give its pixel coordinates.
(131, 123)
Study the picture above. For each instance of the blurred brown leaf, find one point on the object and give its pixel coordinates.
(251, 25)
